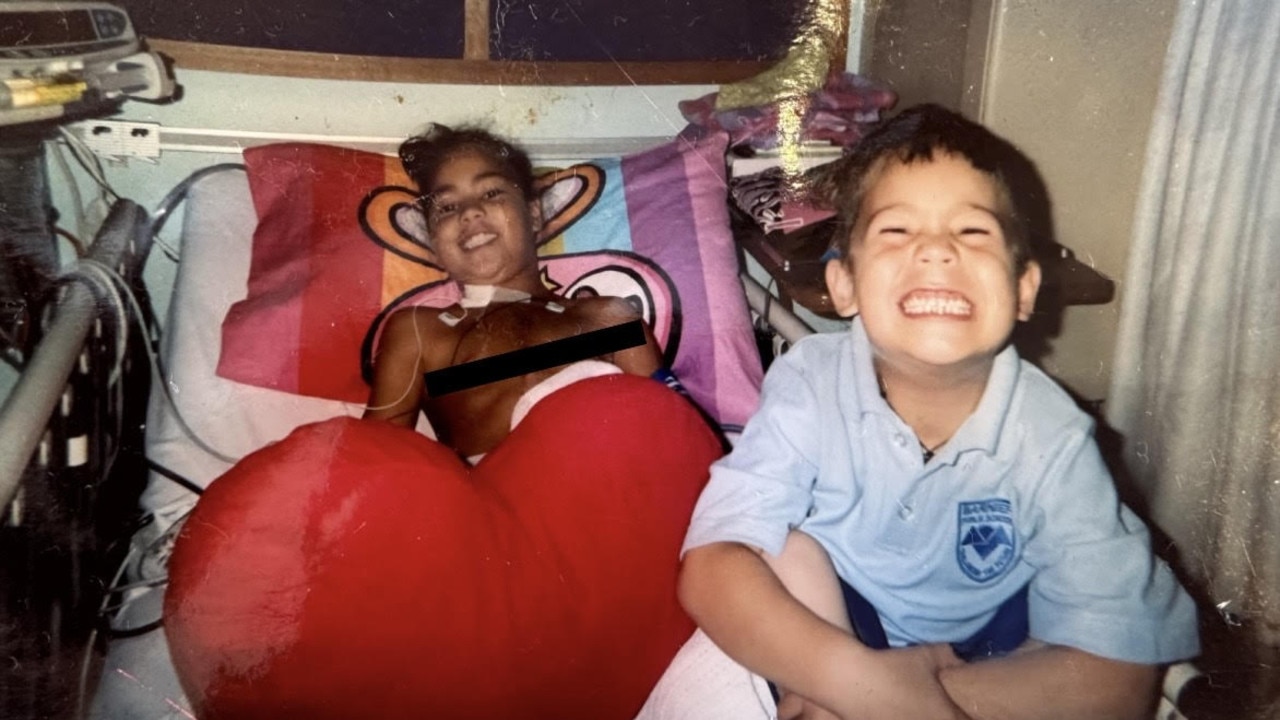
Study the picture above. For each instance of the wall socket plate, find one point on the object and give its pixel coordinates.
(119, 139)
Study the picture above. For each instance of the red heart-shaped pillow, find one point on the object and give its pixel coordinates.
(356, 569)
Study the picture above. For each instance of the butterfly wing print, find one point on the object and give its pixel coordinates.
(391, 217)
(629, 276)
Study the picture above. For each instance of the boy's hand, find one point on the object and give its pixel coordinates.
(793, 707)
(897, 683)
(939, 656)
(902, 683)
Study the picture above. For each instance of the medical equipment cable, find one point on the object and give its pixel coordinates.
(115, 586)
(77, 200)
(105, 609)
(92, 165)
(100, 281)
(164, 209)
(82, 686)
(72, 239)
(184, 482)
(162, 545)
(147, 325)
(166, 536)
(157, 366)
(97, 279)
(80, 151)
(135, 585)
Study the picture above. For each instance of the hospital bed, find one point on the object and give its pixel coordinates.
(239, 368)
(200, 420)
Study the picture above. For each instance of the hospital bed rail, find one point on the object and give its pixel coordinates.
(120, 245)
(770, 309)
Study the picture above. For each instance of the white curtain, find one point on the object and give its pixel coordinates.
(1196, 388)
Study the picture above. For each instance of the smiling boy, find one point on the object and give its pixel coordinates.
(912, 497)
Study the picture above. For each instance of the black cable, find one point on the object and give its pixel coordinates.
(122, 633)
(179, 193)
(186, 483)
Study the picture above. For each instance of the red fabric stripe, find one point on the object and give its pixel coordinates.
(314, 279)
(340, 252)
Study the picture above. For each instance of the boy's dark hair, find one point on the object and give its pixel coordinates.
(913, 135)
(422, 155)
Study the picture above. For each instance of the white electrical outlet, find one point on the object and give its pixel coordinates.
(120, 139)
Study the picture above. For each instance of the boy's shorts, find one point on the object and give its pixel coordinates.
(1007, 630)
(1002, 635)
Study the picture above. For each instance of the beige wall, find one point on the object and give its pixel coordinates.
(1071, 83)
(918, 47)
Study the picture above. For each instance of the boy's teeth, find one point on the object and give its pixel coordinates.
(477, 240)
(936, 304)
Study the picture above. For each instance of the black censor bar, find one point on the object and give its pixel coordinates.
(532, 359)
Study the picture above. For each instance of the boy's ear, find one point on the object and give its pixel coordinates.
(840, 287)
(1028, 288)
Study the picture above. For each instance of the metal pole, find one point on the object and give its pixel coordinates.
(787, 323)
(31, 402)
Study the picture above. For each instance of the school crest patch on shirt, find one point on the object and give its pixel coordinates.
(986, 543)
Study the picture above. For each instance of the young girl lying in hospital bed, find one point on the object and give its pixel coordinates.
(482, 215)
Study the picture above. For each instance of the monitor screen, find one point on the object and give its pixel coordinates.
(39, 29)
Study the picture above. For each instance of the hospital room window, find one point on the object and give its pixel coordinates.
(478, 41)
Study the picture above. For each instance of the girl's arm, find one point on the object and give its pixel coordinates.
(398, 367)
(639, 360)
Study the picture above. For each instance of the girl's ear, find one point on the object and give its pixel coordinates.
(1028, 288)
(841, 288)
(535, 214)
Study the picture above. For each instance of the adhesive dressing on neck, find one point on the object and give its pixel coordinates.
(478, 296)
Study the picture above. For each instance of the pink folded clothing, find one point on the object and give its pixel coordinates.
(839, 113)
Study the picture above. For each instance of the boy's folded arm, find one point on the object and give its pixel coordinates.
(740, 603)
(1053, 682)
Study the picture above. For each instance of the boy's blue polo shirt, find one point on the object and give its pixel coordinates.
(1018, 495)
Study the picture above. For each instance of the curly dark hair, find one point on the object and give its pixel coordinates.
(423, 155)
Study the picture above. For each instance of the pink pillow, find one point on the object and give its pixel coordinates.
(356, 569)
(335, 248)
